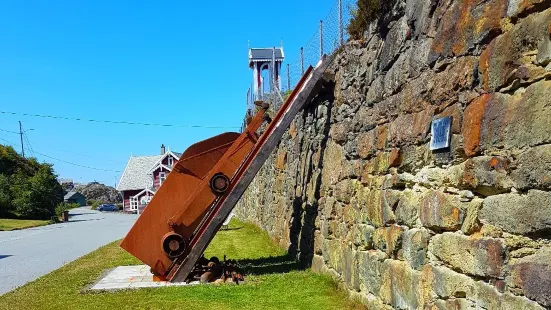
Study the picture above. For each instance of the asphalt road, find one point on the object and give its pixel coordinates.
(28, 254)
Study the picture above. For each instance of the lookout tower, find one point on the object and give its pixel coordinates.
(261, 59)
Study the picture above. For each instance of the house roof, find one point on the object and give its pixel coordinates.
(135, 174)
(263, 54)
(159, 163)
(70, 195)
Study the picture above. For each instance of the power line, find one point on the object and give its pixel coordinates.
(64, 161)
(119, 122)
(11, 143)
(78, 165)
(9, 131)
(79, 154)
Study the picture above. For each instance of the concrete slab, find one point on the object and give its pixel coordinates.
(131, 277)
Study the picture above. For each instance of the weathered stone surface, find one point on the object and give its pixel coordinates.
(410, 128)
(332, 163)
(441, 211)
(533, 275)
(415, 243)
(354, 190)
(458, 76)
(339, 132)
(370, 270)
(502, 60)
(472, 124)
(519, 214)
(367, 144)
(281, 160)
(519, 8)
(475, 256)
(464, 25)
(501, 121)
(401, 286)
(388, 239)
(391, 48)
(418, 14)
(533, 169)
(378, 205)
(487, 175)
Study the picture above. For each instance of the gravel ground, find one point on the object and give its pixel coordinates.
(28, 254)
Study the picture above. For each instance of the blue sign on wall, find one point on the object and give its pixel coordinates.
(441, 132)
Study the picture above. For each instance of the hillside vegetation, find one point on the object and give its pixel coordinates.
(28, 189)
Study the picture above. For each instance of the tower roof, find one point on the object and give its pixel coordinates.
(265, 54)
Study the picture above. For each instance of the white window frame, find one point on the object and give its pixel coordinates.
(170, 161)
(162, 177)
(134, 203)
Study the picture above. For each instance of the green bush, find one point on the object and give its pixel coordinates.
(65, 206)
(28, 189)
(120, 206)
(95, 204)
(366, 12)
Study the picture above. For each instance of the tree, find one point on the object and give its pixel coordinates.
(28, 188)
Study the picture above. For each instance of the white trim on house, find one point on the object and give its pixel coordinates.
(134, 203)
(145, 190)
(159, 163)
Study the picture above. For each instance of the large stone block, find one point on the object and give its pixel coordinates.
(483, 257)
(332, 164)
(388, 239)
(533, 275)
(378, 205)
(370, 263)
(519, 8)
(499, 121)
(367, 144)
(440, 211)
(528, 214)
(401, 286)
(533, 168)
(457, 77)
(407, 211)
(410, 128)
(464, 25)
(487, 175)
(393, 44)
(415, 244)
(504, 60)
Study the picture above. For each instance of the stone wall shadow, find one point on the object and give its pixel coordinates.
(303, 227)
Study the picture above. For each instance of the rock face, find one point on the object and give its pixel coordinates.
(100, 192)
(354, 190)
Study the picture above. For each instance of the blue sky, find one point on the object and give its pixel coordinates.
(173, 62)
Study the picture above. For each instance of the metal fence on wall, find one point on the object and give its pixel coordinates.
(330, 35)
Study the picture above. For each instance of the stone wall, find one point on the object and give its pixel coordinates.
(353, 189)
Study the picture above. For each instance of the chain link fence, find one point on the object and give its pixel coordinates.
(330, 35)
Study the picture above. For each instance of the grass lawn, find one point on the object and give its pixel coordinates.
(273, 282)
(10, 224)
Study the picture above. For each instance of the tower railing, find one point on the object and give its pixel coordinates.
(329, 36)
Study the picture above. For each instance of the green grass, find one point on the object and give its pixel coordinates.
(11, 224)
(274, 282)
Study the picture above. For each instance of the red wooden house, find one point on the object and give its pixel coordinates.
(142, 177)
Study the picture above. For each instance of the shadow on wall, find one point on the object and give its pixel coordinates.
(268, 265)
(304, 213)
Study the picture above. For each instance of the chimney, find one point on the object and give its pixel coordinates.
(162, 149)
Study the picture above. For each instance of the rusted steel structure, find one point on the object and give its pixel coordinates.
(182, 218)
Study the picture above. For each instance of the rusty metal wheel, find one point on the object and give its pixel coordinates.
(174, 245)
(219, 183)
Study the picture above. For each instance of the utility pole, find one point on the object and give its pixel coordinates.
(321, 39)
(21, 136)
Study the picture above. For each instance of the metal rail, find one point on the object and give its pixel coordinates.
(305, 90)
